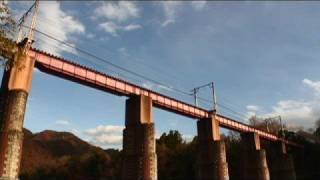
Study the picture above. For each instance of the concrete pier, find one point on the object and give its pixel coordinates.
(281, 166)
(140, 159)
(16, 85)
(212, 153)
(254, 165)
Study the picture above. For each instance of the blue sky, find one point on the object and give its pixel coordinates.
(262, 56)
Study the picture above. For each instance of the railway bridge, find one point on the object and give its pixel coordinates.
(139, 149)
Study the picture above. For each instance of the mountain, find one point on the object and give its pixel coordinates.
(62, 155)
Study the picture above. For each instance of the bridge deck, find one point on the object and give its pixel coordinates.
(60, 67)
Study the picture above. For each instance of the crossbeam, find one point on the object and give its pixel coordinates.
(63, 68)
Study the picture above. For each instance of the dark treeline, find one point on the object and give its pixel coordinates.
(177, 160)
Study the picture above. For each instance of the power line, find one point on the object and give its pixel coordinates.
(83, 58)
(110, 63)
(137, 60)
(133, 73)
(46, 20)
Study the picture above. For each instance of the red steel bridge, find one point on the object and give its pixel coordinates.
(69, 70)
(140, 159)
(139, 149)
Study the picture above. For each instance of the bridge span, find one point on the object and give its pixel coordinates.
(140, 159)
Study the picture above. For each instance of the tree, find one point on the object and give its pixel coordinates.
(176, 158)
(7, 31)
(171, 140)
(317, 131)
(271, 125)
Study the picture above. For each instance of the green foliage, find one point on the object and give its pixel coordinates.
(176, 158)
(171, 140)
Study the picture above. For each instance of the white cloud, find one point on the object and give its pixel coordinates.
(298, 113)
(109, 27)
(198, 5)
(55, 22)
(253, 108)
(107, 139)
(314, 85)
(131, 27)
(113, 29)
(62, 122)
(105, 135)
(120, 11)
(187, 137)
(115, 15)
(170, 8)
(108, 129)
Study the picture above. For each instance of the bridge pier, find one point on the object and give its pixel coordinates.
(139, 148)
(212, 152)
(254, 158)
(282, 166)
(16, 84)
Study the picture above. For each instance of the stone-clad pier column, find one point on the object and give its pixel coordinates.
(16, 84)
(212, 153)
(254, 158)
(140, 159)
(281, 165)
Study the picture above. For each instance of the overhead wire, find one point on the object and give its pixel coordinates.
(108, 51)
(226, 101)
(108, 62)
(134, 73)
(117, 74)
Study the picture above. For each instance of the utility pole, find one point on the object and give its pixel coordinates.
(195, 91)
(32, 27)
(267, 123)
(281, 127)
(22, 20)
(214, 100)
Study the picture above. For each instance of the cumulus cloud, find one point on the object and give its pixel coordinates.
(109, 27)
(107, 139)
(109, 129)
(105, 135)
(298, 113)
(121, 11)
(112, 28)
(314, 85)
(56, 22)
(198, 5)
(115, 16)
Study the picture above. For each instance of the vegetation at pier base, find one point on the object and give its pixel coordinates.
(54, 155)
